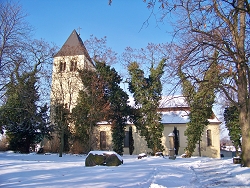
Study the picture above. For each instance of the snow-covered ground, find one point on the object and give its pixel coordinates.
(32, 170)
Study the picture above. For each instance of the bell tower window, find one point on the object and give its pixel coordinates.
(73, 66)
(62, 66)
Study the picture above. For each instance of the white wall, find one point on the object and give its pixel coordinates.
(211, 151)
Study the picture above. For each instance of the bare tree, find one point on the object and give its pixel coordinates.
(41, 52)
(150, 56)
(205, 26)
(35, 56)
(13, 32)
(99, 51)
(18, 49)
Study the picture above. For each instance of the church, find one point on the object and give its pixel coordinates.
(65, 87)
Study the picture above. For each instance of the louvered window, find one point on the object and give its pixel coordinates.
(62, 66)
(73, 66)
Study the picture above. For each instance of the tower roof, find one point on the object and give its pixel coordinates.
(73, 46)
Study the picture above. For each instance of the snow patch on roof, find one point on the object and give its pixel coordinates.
(181, 117)
(175, 117)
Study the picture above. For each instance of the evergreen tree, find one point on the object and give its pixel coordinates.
(25, 123)
(43, 124)
(117, 98)
(147, 95)
(102, 99)
(231, 117)
(131, 141)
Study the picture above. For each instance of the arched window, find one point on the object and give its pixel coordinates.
(209, 138)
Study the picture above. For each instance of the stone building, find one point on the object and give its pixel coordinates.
(174, 112)
(65, 80)
(66, 85)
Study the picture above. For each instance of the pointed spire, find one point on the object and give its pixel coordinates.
(73, 46)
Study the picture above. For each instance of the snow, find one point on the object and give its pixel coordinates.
(230, 148)
(33, 170)
(171, 134)
(175, 110)
(179, 116)
(142, 154)
(105, 152)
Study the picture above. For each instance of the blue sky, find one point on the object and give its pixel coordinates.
(54, 20)
(121, 23)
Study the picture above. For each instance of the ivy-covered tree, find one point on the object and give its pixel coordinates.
(83, 121)
(200, 97)
(231, 117)
(92, 107)
(24, 121)
(131, 141)
(199, 114)
(147, 93)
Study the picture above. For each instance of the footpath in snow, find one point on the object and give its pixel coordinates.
(32, 170)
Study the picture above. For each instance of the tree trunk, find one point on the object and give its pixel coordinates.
(245, 128)
(243, 89)
(244, 113)
(61, 143)
(200, 148)
(26, 148)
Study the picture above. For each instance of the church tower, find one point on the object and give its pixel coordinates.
(65, 79)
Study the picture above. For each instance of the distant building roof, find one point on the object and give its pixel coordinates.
(73, 46)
